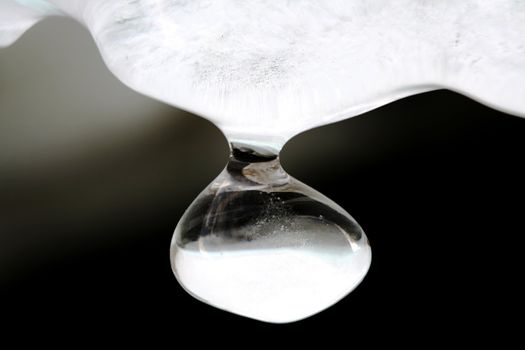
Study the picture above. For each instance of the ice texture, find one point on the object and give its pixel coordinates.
(266, 70)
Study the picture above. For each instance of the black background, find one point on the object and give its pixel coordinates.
(435, 180)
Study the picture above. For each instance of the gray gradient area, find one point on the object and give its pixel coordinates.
(79, 150)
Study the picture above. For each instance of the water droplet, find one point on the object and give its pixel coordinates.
(259, 243)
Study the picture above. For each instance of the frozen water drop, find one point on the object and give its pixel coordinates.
(258, 243)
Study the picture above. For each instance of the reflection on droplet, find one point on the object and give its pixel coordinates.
(258, 243)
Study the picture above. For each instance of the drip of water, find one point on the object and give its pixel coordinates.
(257, 242)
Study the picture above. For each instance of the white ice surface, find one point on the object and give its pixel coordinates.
(266, 70)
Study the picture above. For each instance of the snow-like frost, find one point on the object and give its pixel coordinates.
(268, 69)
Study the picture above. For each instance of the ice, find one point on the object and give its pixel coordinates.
(266, 70)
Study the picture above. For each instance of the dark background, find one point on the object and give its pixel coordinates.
(86, 216)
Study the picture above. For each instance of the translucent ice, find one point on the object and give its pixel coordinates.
(266, 70)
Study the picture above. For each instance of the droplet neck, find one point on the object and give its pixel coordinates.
(251, 154)
(247, 165)
(245, 154)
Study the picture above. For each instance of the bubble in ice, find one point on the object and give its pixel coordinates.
(257, 242)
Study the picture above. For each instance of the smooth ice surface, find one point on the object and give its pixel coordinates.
(266, 70)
